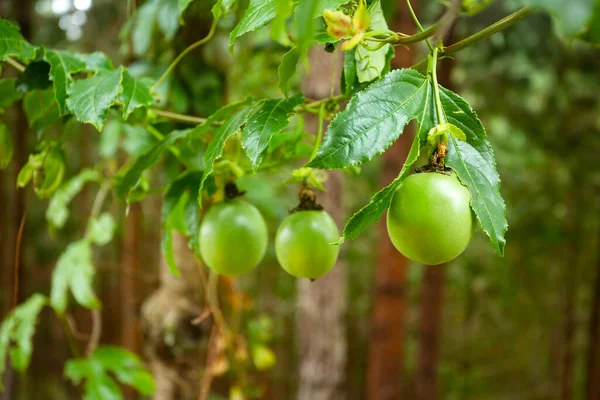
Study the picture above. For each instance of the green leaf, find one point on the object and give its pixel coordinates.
(135, 93)
(35, 77)
(167, 18)
(74, 272)
(62, 65)
(89, 99)
(305, 24)
(221, 114)
(145, 161)
(592, 31)
(100, 230)
(373, 120)
(287, 69)
(258, 14)
(473, 161)
(8, 92)
(269, 118)
(283, 10)
(109, 139)
(95, 61)
(143, 27)
(182, 193)
(40, 106)
(571, 18)
(19, 328)
(6, 147)
(215, 147)
(371, 65)
(25, 175)
(328, 5)
(12, 43)
(124, 365)
(57, 211)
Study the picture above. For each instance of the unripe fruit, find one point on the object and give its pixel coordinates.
(303, 244)
(430, 219)
(233, 237)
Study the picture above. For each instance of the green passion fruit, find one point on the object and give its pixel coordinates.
(233, 237)
(303, 243)
(430, 219)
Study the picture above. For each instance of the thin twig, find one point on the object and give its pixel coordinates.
(483, 34)
(210, 357)
(16, 265)
(178, 117)
(95, 333)
(185, 52)
(15, 64)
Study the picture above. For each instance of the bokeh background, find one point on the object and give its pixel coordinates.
(525, 326)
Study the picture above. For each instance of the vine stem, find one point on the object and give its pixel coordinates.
(496, 27)
(15, 64)
(414, 17)
(177, 60)
(178, 117)
(436, 88)
(319, 131)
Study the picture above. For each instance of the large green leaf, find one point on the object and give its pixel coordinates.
(135, 93)
(40, 106)
(18, 328)
(12, 43)
(62, 65)
(269, 118)
(8, 92)
(287, 69)
(99, 385)
(371, 65)
(145, 161)
(197, 134)
(57, 211)
(258, 14)
(215, 147)
(89, 99)
(74, 273)
(373, 120)
(473, 160)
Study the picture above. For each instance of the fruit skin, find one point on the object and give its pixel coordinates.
(303, 244)
(430, 219)
(233, 237)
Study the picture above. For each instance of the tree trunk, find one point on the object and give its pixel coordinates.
(21, 11)
(593, 367)
(389, 303)
(173, 343)
(322, 303)
(130, 285)
(429, 333)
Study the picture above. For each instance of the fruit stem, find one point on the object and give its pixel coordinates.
(307, 200)
(232, 191)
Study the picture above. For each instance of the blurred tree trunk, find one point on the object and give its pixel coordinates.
(430, 324)
(593, 368)
(389, 303)
(22, 13)
(173, 343)
(322, 303)
(130, 285)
